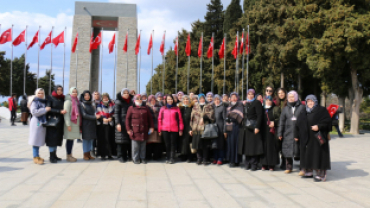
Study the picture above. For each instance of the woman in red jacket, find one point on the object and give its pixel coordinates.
(170, 124)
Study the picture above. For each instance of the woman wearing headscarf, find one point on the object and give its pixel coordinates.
(271, 117)
(180, 95)
(175, 99)
(139, 124)
(96, 101)
(186, 107)
(106, 143)
(159, 98)
(72, 121)
(154, 143)
(281, 103)
(89, 118)
(123, 141)
(37, 130)
(314, 122)
(234, 118)
(225, 99)
(201, 115)
(287, 123)
(220, 116)
(144, 98)
(194, 99)
(54, 134)
(209, 97)
(24, 110)
(250, 139)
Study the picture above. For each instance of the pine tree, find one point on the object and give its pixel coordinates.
(232, 15)
(45, 81)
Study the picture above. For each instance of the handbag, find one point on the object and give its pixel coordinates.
(320, 138)
(52, 121)
(210, 131)
(272, 130)
(154, 138)
(193, 151)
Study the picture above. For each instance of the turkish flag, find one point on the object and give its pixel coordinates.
(6, 36)
(332, 109)
(21, 38)
(235, 50)
(247, 43)
(242, 44)
(35, 39)
(150, 45)
(137, 46)
(176, 46)
(221, 52)
(161, 49)
(200, 47)
(91, 42)
(188, 46)
(75, 44)
(125, 44)
(97, 41)
(111, 43)
(210, 49)
(58, 39)
(46, 41)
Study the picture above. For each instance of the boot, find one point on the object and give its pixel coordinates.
(58, 158)
(172, 157)
(38, 160)
(53, 158)
(86, 156)
(90, 157)
(70, 158)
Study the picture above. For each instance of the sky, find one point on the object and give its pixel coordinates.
(158, 15)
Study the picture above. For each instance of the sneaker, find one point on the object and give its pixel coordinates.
(214, 162)
(287, 171)
(301, 173)
(121, 160)
(136, 162)
(219, 162)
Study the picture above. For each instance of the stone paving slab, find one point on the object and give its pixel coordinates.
(113, 184)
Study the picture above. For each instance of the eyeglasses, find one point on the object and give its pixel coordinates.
(268, 90)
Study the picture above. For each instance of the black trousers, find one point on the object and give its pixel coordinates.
(13, 116)
(124, 151)
(153, 151)
(170, 139)
(203, 151)
(251, 161)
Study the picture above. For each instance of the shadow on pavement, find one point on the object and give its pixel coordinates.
(5, 168)
(340, 171)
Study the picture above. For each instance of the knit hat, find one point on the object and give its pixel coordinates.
(125, 89)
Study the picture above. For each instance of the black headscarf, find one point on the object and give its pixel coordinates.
(82, 96)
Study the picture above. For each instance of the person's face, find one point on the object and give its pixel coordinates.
(195, 100)
(87, 96)
(310, 103)
(225, 99)
(59, 91)
(160, 98)
(169, 100)
(133, 92)
(202, 100)
(268, 102)
(250, 96)
(281, 94)
(152, 101)
(74, 93)
(234, 98)
(143, 97)
(126, 94)
(191, 95)
(179, 96)
(269, 91)
(175, 99)
(259, 97)
(186, 101)
(290, 98)
(96, 96)
(41, 94)
(105, 98)
(209, 98)
(138, 100)
(217, 101)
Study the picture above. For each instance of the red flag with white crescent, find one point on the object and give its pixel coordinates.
(161, 49)
(125, 44)
(58, 39)
(150, 45)
(75, 43)
(242, 44)
(176, 46)
(6, 36)
(21, 38)
(221, 52)
(210, 49)
(137, 46)
(111, 43)
(35, 39)
(46, 41)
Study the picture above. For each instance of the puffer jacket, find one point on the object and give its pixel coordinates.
(120, 112)
(170, 119)
(139, 120)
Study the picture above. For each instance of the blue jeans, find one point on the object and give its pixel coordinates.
(35, 151)
(218, 154)
(52, 149)
(86, 145)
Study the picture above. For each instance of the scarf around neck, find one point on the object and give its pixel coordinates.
(74, 110)
(38, 101)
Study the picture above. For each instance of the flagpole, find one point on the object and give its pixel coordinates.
(11, 66)
(151, 82)
(201, 71)
(115, 63)
(188, 75)
(76, 58)
(224, 62)
(25, 64)
(140, 61)
(91, 33)
(51, 58)
(64, 55)
(177, 59)
(101, 62)
(38, 58)
(127, 60)
(237, 64)
(247, 61)
(164, 61)
(243, 66)
(213, 46)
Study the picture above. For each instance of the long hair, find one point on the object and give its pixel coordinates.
(278, 99)
(165, 100)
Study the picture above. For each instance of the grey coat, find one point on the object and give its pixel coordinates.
(75, 133)
(287, 126)
(37, 131)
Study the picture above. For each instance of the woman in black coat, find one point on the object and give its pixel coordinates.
(186, 107)
(288, 119)
(154, 143)
(271, 117)
(54, 134)
(123, 141)
(250, 138)
(88, 126)
(314, 121)
(220, 116)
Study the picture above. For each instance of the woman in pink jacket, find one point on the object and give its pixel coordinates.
(170, 125)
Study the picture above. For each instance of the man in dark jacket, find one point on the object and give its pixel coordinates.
(335, 120)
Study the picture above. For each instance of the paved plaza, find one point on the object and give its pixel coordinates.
(113, 184)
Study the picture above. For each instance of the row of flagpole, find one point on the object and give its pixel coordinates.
(95, 42)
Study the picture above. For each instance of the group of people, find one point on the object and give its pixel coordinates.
(268, 130)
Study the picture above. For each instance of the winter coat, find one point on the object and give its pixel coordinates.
(220, 116)
(88, 127)
(198, 114)
(154, 109)
(54, 135)
(24, 108)
(75, 132)
(185, 139)
(138, 121)
(37, 130)
(120, 112)
(12, 104)
(270, 142)
(170, 120)
(287, 125)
